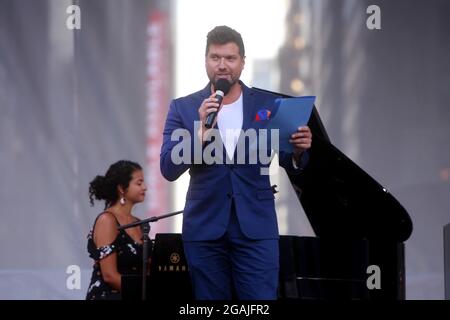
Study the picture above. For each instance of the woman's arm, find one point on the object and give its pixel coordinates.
(105, 233)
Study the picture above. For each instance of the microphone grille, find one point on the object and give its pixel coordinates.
(223, 85)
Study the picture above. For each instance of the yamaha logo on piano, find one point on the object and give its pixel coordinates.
(174, 259)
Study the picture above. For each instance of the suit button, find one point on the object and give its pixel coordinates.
(229, 195)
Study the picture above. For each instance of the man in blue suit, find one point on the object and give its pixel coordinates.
(230, 230)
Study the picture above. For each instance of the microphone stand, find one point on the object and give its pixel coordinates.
(145, 231)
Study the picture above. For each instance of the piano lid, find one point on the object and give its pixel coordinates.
(340, 199)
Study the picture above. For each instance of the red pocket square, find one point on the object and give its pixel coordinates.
(263, 114)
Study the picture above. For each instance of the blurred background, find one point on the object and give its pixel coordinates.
(74, 101)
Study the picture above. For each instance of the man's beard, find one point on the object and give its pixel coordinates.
(232, 81)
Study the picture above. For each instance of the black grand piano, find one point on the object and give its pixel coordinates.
(358, 251)
(360, 231)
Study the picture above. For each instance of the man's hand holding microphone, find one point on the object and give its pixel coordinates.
(210, 108)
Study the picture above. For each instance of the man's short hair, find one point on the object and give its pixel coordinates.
(224, 35)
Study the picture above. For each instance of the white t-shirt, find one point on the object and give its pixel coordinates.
(229, 121)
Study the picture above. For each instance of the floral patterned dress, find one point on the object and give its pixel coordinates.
(129, 261)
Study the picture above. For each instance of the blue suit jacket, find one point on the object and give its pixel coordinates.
(212, 187)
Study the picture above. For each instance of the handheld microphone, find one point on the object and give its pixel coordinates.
(222, 87)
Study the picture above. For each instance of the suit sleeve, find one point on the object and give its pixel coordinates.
(287, 162)
(169, 169)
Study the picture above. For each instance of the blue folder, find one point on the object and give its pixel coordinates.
(289, 114)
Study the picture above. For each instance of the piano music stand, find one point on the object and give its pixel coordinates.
(145, 231)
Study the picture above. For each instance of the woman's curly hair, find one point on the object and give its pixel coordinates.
(105, 187)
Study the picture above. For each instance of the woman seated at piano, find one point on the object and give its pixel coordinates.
(115, 252)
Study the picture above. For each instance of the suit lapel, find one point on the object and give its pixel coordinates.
(205, 93)
(248, 107)
(248, 114)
